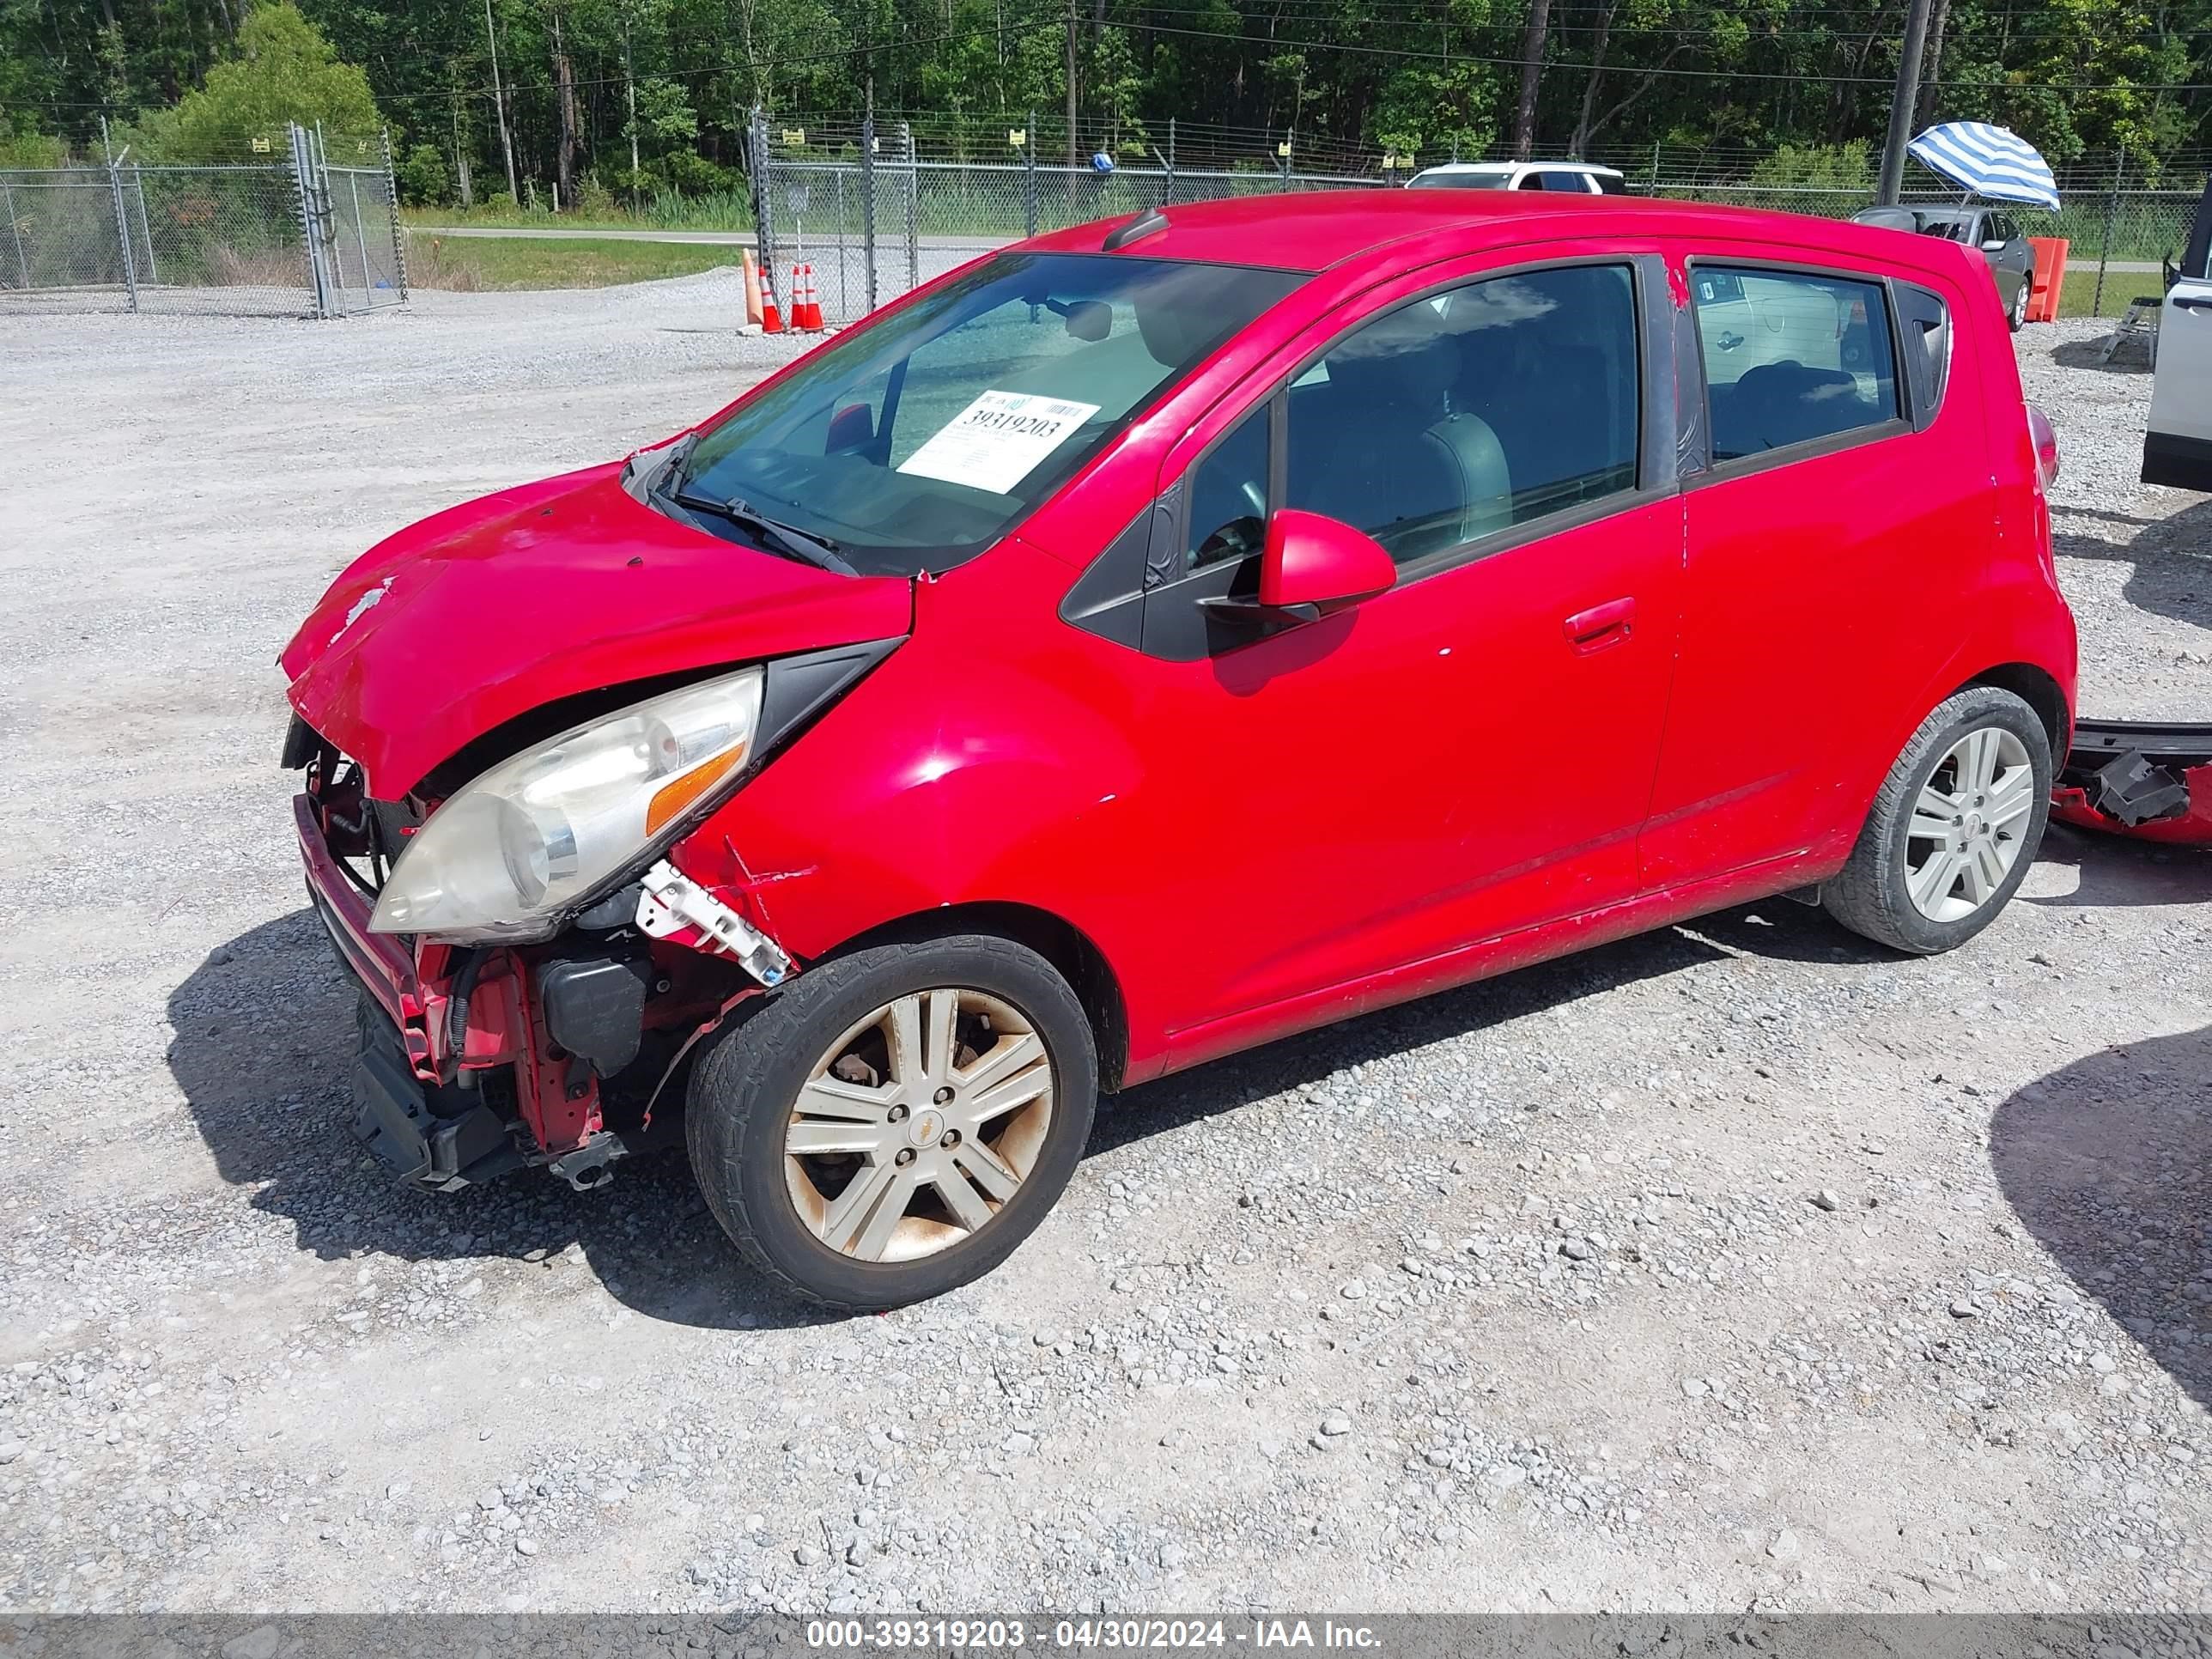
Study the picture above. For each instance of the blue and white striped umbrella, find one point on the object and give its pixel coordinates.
(1987, 161)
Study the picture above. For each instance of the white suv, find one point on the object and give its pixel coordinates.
(1576, 178)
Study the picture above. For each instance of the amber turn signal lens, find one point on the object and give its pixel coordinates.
(669, 800)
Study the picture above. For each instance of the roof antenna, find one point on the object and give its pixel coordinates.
(1144, 224)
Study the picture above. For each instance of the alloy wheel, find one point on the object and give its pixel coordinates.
(1964, 834)
(918, 1125)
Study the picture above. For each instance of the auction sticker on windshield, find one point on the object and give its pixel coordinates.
(997, 440)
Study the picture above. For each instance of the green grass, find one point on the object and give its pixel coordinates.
(2120, 286)
(500, 263)
(717, 210)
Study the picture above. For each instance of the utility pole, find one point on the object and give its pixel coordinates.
(1074, 149)
(1902, 103)
(499, 108)
(630, 85)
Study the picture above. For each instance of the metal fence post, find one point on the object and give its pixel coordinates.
(1167, 170)
(145, 225)
(318, 299)
(764, 209)
(868, 200)
(391, 203)
(912, 209)
(844, 264)
(1029, 174)
(22, 263)
(2105, 241)
(122, 218)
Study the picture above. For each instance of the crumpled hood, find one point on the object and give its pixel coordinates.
(490, 608)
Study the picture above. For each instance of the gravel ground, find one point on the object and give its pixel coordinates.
(1733, 1267)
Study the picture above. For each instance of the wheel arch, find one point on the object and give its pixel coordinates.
(1071, 953)
(2039, 690)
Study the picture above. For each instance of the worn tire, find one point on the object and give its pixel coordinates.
(743, 1089)
(1870, 895)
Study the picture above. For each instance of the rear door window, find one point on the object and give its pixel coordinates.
(1791, 357)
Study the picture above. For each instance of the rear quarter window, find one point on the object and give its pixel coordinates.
(1924, 320)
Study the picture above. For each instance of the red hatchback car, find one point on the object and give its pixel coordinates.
(1154, 639)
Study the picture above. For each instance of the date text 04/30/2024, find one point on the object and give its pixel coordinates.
(1007, 1634)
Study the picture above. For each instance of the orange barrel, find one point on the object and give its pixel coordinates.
(2049, 277)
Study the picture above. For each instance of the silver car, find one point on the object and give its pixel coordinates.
(1995, 232)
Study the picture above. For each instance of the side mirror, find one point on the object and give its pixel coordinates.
(852, 427)
(1311, 567)
(1995, 245)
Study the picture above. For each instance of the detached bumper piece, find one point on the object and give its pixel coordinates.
(2138, 778)
(455, 1141)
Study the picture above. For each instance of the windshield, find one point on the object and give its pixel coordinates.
(912, 445)
(1462, 181)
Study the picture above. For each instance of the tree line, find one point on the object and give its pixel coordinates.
(583, 99)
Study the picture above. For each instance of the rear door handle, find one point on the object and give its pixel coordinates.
(1601, 625)
(2193, 301)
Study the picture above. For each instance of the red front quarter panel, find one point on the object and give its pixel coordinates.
(956, 773)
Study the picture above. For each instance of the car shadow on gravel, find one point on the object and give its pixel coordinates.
(264, 1051)
(1777, 929)
(2108, 1162)
(2117, 871)
(2132, 358)
(2172, 559)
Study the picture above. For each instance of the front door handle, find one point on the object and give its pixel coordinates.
(1601, 625)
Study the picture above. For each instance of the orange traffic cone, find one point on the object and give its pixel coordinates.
(771, 316)
(805, 315)
(752, 289)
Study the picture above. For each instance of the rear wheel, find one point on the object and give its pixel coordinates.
(1953, 830)
(891, 1125)
(2016, 318)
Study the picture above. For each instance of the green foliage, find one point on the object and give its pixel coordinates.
(31, 149)
(1819, 167)
(1440, 112)
(1799, 87)
(424, 179)
(687, 174)
(285, 71)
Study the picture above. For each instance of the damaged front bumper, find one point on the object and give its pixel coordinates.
(486, 1061)
(2138, 778)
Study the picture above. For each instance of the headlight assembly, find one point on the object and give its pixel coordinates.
(523, 842)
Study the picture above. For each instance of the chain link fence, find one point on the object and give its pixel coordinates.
(873, 220)
(300, 236)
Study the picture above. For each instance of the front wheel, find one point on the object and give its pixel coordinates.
(1953, 830)
(891, 1124)
(2016, 318)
